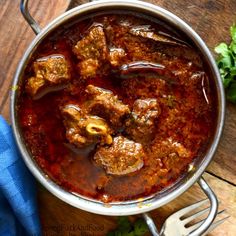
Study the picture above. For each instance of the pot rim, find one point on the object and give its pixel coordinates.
(128, 207)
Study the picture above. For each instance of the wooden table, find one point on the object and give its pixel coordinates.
(211, 19)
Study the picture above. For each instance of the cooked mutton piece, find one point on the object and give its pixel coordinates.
(49, 71)
(93, 45)
(105, 104)
(116, 56)
(92, 51)
(142, 122)
(123, 157)
(82, 129)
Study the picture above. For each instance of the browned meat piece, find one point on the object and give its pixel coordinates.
(116, 56)
(93, 45)
(88, 68)
(122, 157)
(34, 85)
(51, 71)
(106, 105)
(82, 129)
(91, 51)
(141, 124)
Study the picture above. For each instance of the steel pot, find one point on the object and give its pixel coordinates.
(156, 200)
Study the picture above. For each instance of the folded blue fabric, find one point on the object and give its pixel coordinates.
(18, 206)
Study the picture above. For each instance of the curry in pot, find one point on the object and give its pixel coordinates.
(116, 107)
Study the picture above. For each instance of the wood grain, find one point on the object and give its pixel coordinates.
(211, 20)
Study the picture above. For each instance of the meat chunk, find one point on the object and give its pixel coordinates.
(106, 105)
(82, 129)
(88, 68)
(92, 52)
(93, 45)
(49, 71)
(141, 124)
(116, 56)
(34, 84)
(122, 157)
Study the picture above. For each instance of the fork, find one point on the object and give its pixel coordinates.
(175, 225)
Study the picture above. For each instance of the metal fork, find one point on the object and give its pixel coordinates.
(175, 225)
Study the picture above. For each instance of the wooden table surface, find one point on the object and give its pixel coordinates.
(211, 19)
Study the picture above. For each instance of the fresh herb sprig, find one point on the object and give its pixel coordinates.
(126, 228)
(226, 62)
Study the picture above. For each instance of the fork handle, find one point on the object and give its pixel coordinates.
(213, 210)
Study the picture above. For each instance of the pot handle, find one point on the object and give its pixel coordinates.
(151, 225)
(205, 225)
(213, 210)
(25, 12)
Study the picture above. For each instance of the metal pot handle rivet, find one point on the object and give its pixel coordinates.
(205, 225)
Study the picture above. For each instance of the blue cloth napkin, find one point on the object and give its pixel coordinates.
(18, 206)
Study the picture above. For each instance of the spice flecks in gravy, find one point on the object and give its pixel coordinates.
(118, 108)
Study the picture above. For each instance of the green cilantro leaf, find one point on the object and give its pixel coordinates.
(233, 32)
(231, 93)
(233, 71)
(140, 227)
(123, 222)
(226, 62)
(126, 228)
(222, 49)
(233, 47)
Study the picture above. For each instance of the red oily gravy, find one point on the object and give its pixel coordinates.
(170, 72)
